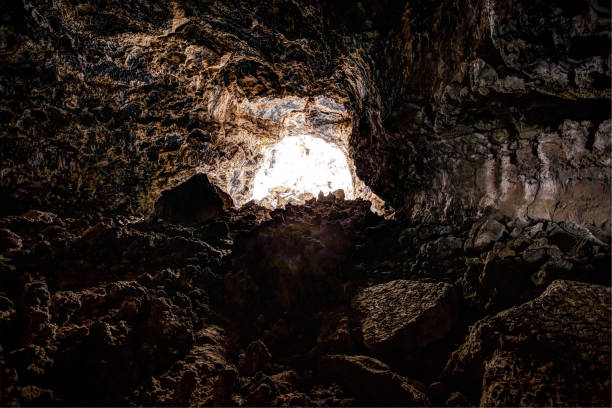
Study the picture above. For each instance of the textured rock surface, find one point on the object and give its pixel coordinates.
(502, 104)
(371, 381)
(243, 311)
(484, 124)
(553, 350)
(405, 316)
(192, 202)
(110, 105)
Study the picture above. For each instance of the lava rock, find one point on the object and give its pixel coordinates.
(370, 381)
(405, 316)
(561, 238)
(256, 358)
(491, 231)
(9, 242)
(192, 202)
(532, 354)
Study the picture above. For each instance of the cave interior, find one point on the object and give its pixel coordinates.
(305, 203)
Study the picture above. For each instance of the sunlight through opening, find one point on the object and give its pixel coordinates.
(297, 168)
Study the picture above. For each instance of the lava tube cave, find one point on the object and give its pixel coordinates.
(305, 203)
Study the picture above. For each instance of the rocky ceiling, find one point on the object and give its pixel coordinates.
(135, 269)
(446, 109)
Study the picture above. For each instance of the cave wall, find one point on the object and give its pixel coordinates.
(106, 105)
(108, 110)
(502, 104)
(451, 107)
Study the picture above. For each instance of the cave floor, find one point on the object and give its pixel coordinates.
(321, 304)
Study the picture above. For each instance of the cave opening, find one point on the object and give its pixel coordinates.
(297, 168)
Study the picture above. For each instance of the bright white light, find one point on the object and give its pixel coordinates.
(301, 164)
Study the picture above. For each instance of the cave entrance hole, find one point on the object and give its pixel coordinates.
(297, 168)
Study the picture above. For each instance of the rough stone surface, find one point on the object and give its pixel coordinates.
(405, 315)
(112, 105)
(371, 381)
(533, 354)
(490, 232)
(483, 125)
(494, 103)
(192, 202)
(241, 310)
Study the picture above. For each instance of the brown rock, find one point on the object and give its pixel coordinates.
(339, 194)
(9, 242)
(532, 354)
(370, 381)
(335, 334)
(457, 399)
(256, 358)
(224, 387)
(404, 316)
(192, 202)
(491, 231)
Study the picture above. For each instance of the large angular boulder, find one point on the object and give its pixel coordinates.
(553, 350)
(370, 381)
(405, 316)
(195, 201)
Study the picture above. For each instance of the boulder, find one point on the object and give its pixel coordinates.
(441, 248)
(404, 316)
(280, 389)
(9, 242)
(339, 194)
(195, 201)
(370, 381)
(553, 350)
(490, 232)
(255, 358)
(561, 238)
